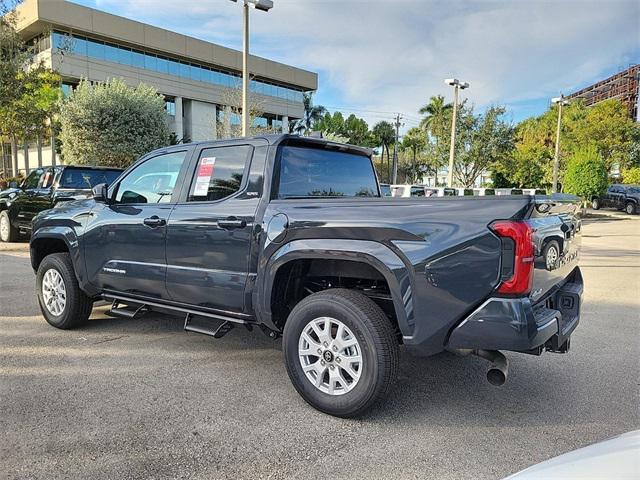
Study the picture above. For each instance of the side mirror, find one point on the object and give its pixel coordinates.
(13, 184)
(100, 192)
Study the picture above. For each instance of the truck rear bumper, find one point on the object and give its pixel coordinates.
(515, 324)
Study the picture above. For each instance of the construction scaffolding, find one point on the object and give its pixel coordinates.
(623, 86)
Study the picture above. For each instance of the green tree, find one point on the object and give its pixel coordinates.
(631, 176)
(112, 124)
(608, 127)
(586, 174)
(29, 91)
(357, 131)
(482, 141)
(330, 123)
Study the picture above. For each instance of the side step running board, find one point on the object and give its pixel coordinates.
(217, 332)
(136, 308)
(127, 311)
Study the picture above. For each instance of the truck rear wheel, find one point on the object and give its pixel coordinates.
(595, 204)
(340, 351)
(7, 232)
(61, 301)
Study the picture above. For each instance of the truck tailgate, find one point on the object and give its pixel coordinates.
(556, 225)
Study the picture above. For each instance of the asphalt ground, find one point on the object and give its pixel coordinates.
(121, 399)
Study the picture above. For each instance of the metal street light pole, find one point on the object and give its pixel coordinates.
(457, 86)
(265, 6)
(245, 69)
(397, 124)
(561, 101)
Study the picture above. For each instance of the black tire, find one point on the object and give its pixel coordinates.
(8, 233)
(377, 343)
(595, 204)
(78, 305)
(552, 245)
(630, 208)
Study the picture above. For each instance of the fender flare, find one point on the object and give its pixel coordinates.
(375, 254)
(68, 236)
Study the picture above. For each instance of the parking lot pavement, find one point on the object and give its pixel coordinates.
(142, 399)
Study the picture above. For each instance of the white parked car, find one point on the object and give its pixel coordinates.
(617, 458)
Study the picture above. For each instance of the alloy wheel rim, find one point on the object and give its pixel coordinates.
(629, 208)
(552, 257)
(4, 227)
(54, 292)
(330, 356)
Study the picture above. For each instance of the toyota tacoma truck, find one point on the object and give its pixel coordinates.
(292, 235)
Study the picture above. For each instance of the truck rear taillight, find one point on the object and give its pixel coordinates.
(517, 258)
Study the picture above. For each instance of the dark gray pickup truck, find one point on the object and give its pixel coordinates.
(291, 235)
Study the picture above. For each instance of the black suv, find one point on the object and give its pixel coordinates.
(622, 197)
(44, 188)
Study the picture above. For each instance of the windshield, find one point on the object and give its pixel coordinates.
(633, 190)
(82, 178)
(314, 172)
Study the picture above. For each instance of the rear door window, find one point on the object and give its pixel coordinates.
(219, 173)
(318, 172)
(33, 179)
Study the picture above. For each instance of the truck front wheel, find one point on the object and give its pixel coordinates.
(341, 351)
(62, 302)
(7, 232)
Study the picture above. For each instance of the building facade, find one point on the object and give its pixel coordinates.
(199, 80)
(623, 86)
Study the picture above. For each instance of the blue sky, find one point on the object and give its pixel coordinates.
(377, 57)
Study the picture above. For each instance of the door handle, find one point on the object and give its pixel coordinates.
(232, 222)
(154, 222)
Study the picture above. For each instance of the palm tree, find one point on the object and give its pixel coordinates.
(312, 113)
(384, 135)
(434, 111)
(414, 141)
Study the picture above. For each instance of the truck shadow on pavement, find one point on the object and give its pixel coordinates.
(444, 389)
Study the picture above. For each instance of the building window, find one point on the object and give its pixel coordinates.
(170, 107)
(135, 58)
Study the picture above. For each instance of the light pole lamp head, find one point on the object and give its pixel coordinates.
(464, 85)
(264, 5)
(560, 99)
(452, 81)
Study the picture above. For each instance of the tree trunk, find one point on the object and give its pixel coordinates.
(53, 145)
(14, 153)
(25, 148)
(39, 143)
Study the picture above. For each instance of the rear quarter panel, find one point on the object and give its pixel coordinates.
(451, 257)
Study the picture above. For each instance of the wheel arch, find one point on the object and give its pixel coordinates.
(368, 256)
(551, 238)
(48, 240)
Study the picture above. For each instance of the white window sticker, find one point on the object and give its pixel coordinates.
(206, 168)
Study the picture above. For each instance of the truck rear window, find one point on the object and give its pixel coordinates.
(87, 178)
(313, 172)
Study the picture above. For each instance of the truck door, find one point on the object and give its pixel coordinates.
(209, 232)
(24, 203)
(124, 241)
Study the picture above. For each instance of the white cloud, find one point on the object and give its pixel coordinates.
(392, 55)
